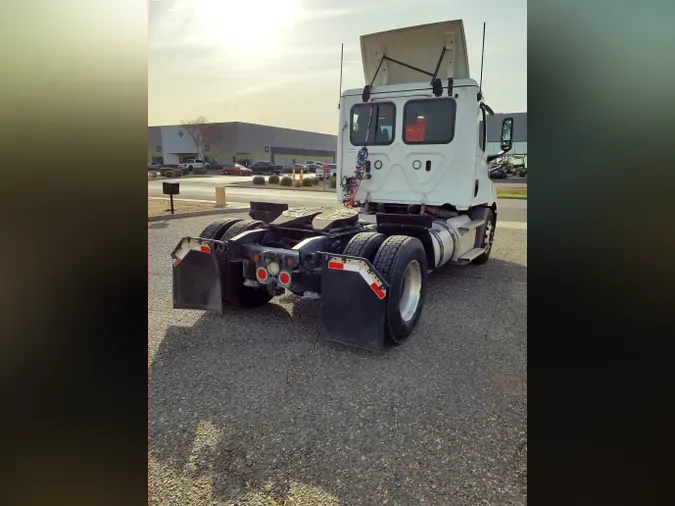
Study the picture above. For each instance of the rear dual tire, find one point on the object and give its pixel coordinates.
(402, 262)
(217, 229)
(232, 279)
(365, 245)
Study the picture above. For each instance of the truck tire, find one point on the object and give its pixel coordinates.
(365, 245)
(402, 262)
(190, 169)
(240, 227)
(217, 229)
(488, 238)
(237, 294)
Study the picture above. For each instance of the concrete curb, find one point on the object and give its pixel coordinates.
(178, 178)
(197, 213)
(512, 198)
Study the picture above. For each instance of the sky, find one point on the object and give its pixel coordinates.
(277, 62)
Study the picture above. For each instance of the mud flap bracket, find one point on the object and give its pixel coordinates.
(353, 302)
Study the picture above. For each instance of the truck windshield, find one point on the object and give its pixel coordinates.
(429, 121)
(382, 118)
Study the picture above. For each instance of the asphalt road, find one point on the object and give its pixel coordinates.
(204, 189)
(253, 408)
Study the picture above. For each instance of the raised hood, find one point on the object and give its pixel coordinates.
(418, 46)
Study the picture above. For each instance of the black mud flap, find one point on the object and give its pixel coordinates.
(353, 302)
(196, 276)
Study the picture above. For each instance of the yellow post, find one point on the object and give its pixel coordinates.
(220, 196)
(293, 172)
(301, 174)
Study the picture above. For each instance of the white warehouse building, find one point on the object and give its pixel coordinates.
(237, 142)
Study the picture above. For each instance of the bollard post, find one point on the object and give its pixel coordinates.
(293, 172)
(301, 174)
(220, 196)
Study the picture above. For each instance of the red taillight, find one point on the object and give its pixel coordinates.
(285, 278)
(261, 273)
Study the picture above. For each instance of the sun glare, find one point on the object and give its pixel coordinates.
(248, 25)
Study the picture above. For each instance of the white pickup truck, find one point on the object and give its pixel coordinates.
(192, 164)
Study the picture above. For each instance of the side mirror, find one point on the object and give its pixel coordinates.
(506, 142)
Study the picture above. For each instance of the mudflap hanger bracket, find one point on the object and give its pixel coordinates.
(353, 302)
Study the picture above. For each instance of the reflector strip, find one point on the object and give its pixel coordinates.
(362, 268)
(378, 291)
(185, 247)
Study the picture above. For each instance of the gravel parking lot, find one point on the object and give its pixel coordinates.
(252, 408)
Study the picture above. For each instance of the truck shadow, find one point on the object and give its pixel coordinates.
(255, 400)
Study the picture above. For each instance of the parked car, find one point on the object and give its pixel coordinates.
(266, 168)
(315, 163)
(154, 165)
(500, 173)
(323, 172)
(236, 170)
(192, 164)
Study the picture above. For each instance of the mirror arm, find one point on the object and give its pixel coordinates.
(494, 157)
(487, 108)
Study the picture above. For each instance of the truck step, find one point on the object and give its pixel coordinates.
(471, 226)
(476, 252)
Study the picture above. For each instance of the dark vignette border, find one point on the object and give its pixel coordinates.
(598, 202)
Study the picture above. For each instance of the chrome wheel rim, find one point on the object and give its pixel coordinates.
(411, 291)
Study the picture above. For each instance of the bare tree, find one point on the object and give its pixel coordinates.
(200, 131)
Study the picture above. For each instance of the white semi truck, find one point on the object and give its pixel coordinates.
(412, 172)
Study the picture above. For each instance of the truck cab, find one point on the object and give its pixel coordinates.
(425, 139)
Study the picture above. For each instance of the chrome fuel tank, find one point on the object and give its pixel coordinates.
(449, 241)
